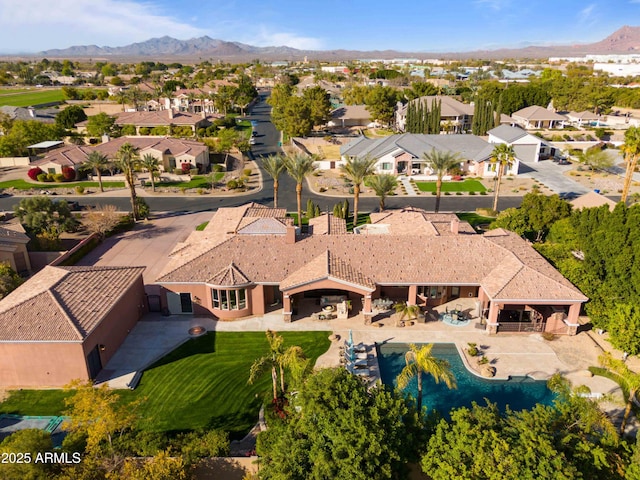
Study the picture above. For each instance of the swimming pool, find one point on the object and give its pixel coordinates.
(518, 393)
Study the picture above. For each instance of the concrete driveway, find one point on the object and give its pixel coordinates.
(147, 245)
(552, 175)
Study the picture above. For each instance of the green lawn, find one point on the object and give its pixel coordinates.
(463, 186)
(474, 219)
(201, 384)
(31, 97)
(20, 184)
(197, 181)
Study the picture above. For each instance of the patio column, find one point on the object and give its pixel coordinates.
(366, 310)
(572, 319)
(492, 321)
(413, 295)
(286, 310)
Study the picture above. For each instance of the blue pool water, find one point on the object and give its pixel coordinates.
(518, 393)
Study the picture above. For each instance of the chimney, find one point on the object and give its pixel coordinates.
(170, 110)
(290, 236)
(105, 138)
(455, 226)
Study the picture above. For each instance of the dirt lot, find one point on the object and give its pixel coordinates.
(607, 183)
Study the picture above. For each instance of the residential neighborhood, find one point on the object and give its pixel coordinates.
(229, 261)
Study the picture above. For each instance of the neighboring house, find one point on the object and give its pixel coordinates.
(591, 200)
(350, 116)
(406, 255)
(65, 323)
(403, 154)
(455, 116)
(164, 118)
(582, 118)
(534, 117)
(171, 153)
(13, 247)
(43, 115)
(528, 148)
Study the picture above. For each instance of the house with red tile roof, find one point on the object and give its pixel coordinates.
(170, 152)
(409, 255)
(65, 323)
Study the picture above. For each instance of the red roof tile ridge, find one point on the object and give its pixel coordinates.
(74, 325)
(37, 284)
(182, 264)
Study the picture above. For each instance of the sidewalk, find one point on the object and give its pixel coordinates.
(407, 186)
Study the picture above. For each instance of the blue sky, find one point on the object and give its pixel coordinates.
(417, 25)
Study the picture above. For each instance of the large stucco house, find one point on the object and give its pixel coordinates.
(455, 116)
(170, 152)
(251, 260)
(403, 153)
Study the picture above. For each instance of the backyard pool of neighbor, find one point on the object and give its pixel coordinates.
(519, 393)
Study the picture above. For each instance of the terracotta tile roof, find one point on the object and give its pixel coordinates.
(256, 210)
(499, 261)
(416, 221)
(328, 224)
(592, 199)
(327, 266)
(158, 118)
(536, 112)
(229, 277)
(63, 303)
(10, 235)
(262, 226)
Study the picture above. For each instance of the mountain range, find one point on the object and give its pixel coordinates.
(624, 40)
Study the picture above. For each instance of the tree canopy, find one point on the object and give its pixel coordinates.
(337, 428)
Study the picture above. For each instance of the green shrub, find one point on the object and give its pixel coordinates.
(217, 168)
(473, 193)
(178, 171)
(43, 177)
(193, 171)
(58, 177)
(447, 193)
(472, 349)
(246, 172)
(200, 191)
(458, 193)
(144, 130)
(232, 184)
(483, 193)
(79, 189)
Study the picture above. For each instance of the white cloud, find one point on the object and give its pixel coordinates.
(494, 4)
(266, 38)
(34, 25)
(586, 14)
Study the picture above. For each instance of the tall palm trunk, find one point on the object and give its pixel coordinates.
(275, 193)
(419, 390)
(274, 380)
(356, 199)
(132, 189)
(627, 410)
(299, 198)
(497, 192)
(631, 167)
(438, 192)
(100, 180)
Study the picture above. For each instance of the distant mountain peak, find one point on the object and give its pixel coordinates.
(624, 40)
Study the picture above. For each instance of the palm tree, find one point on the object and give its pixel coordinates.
(503, 157)
(127, 160)
(295, 360)
(630, 378)
(151, 165)
(356, 170)
(268, 361)
(631, 149)
(405, 310)
(298, 167)
(274, 165)
(440, 163)
(420, 360)
(384, 185)
(95, 162)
